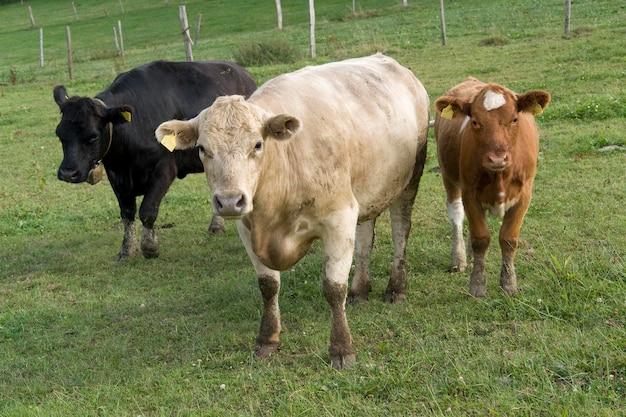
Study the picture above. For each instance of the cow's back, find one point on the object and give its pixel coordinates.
(162, 90)
(363, 121)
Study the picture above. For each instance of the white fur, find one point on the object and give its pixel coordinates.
(493, 100)
(456, 214)
(500, 209)
(465, 121)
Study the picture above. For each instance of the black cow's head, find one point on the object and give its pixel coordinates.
(85, 131)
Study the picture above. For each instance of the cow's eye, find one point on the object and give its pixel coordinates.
(475, 124)
(259, 146)
(93, 139)
(203, 151)
(515, 121)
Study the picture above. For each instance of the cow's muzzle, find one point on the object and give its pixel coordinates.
(71, 175)
(497, 161)
(230, 204)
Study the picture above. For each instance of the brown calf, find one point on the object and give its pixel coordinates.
(487, 145)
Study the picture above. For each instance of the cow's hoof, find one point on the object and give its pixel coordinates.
(342, 361)
(264, 351)
(123, 255)
(354, 299)
(149, 244)
(509, 289)
(478, 291)
(150, 252)
(394, 297)
(457, 268)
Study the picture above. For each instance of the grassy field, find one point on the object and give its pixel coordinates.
(83, 335)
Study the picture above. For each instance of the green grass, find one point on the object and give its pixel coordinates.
(81, 334)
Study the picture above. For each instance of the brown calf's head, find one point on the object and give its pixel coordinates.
(492, 119)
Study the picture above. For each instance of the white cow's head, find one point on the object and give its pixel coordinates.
(231, 136)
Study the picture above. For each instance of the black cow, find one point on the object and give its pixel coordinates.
(116, 129)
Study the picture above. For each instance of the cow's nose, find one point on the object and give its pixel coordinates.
(231, 204)
(498, 160)
(68, 175)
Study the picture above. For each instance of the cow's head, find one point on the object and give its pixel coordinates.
(85, 131)
(491, 120)
(231, 136)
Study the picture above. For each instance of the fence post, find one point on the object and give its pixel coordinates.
(121, 6)
(70, 65)
(75, 11)
(41, 47)
(568, 15)
(312, 26)
(117, 44)
(119, 29)
(443, 23)
(31, 17)
(182, 15)
(198, 23)
(279, 14)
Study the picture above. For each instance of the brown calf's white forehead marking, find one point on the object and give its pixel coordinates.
(493, 100)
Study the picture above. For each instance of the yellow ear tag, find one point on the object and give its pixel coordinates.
(447, 113)
(126, 115)
(537, 109)
(169, 141)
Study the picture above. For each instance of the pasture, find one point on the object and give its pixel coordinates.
(84, 335)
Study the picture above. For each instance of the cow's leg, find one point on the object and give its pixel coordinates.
(217, 225)
(456, 215)
(268, 339)
(479, 241)
(338, 242)
(128, 210)
(149, 209)
(458, 256)
(361, 285)
(509, 233)
(129, 243)
(400, 216)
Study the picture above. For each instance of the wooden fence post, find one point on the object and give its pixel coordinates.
(182, 15)
(121, 6)
(198, 23)
(75, 11)
(443, 23)
(119, 29)
(70, 65)
(312, 26)
(41, 47)
(31, 17)
(279, 13)
(117, 44)
(568, 15)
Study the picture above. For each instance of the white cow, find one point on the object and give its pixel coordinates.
(316, 154)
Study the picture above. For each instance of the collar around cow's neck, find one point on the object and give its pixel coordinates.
(110, 132)
(95, 173)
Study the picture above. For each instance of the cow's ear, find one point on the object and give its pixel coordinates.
(281, 127)
(120, 114)
(533, 102)
(60, 96)
(449, 107)
(178, 134)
